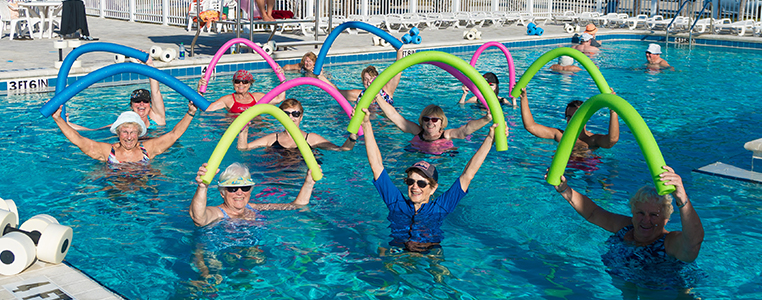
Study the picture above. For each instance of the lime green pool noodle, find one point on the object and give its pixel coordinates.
(585, 61)
(634, 121)
(235, 128)
(501, 141)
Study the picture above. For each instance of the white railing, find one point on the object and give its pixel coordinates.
(174, 12)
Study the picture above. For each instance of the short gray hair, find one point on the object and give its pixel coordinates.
(649, 194)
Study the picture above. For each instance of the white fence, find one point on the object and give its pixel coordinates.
(174, 12)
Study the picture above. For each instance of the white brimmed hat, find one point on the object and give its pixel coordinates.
(129, 117)
(654, 49)
(586, 37)
(565, 60)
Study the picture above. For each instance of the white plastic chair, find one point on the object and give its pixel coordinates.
(634, 22)
(740, 27)
(568, 16)
(33, 20)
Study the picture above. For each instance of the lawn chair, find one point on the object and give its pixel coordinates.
(740, 27)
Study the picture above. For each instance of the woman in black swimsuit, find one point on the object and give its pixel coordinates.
(282, 140)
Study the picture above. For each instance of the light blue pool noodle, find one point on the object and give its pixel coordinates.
(60, 98)
(63, 72)
(634, 121)
(583, 60)
(352, 24)
(235, 128)
(501, 141)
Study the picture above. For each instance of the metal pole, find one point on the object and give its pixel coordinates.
(317, 18)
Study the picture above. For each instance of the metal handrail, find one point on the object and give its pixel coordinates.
(711, 22)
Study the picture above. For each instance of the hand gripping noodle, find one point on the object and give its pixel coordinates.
(634, 121)
(501, 142)
(241, 121)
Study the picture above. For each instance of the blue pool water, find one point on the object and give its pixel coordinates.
(513, 236)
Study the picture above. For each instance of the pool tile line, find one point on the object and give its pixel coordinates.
(196, 71)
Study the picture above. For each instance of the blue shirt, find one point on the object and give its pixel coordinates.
(406, 224)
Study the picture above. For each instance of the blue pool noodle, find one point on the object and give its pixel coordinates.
(60, 98)
(352, 24)
(63, 72)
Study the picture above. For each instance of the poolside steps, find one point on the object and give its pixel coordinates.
(49, 281)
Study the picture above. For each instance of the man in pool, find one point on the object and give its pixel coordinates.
(653, 58)
(235, 189)
(584, 45)
(565, 64)
(416, 220)
(586, 140)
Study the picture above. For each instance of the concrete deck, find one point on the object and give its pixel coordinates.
(48, 281)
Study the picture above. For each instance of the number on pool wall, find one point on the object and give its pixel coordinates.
(26, 84)
(407, 52)
(680, 40)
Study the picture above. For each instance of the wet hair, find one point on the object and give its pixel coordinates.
(291, 103)
(492, 78)
(370, 70)
(311, 55)
(433, 110)
(234, 170)
(572, 104)
(649, 194)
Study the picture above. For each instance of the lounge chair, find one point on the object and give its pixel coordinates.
(439, 21)
(740, 27)
(568, 16)
(590, 17)
(620, 21)
(634, 22)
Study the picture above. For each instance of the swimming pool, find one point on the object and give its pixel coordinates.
(511, 237)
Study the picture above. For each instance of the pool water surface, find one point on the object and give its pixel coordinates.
(512, 236)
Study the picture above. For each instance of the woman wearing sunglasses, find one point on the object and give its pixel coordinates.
(129, 127)
(235, 189)
(283, 140)
(430, 135)
(415, 220)
(241, 99)
(148, 105)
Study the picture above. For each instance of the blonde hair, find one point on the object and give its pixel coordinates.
(433, 110)
(311, 55)
(371, 70)
(649, 194)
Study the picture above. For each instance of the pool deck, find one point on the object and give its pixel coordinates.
(35, 59)
(54, 282)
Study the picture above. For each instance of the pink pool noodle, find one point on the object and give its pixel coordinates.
(314, 82)
(511, 68)
(469, 84)
(249, 43)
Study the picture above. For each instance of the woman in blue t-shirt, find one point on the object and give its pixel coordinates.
(416, 220)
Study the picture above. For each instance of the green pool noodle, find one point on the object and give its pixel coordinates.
(501, 141)
(585, 61)
(235, 128)
(634, 121)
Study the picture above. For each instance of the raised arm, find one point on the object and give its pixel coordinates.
(244, 145)
(160, 144)
(402, 123)
(472, 126)
(317, 141)
(301, 200)
(683, 245)
(476, 161)
(530, 125)
(465, 94)
(391, 86)
(374, 155)
(158, 111)
(199, 212)
(610, 139)
(96, 150)
(590, 211)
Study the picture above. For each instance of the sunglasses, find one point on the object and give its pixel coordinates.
(432, 119)
(294, 114)
(421, 183)
(233, 189)
(140, 100)
(236, 81)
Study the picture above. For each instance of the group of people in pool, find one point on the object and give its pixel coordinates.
(416, 217)
(586, 43)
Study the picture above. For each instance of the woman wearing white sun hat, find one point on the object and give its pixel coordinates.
(128, 128)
